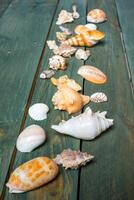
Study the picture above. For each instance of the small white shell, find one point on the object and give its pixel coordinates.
(57, 62)
(98, 97)
(52, 44)
(82, 54)
(91, 26)
(66, 31)
(75, 14)
(30, 138)
(38, 111)
(47, 74)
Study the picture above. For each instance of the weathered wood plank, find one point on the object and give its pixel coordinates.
(23, 29)
(3, 5)
(125, 11)
(65, 185)
(111, 175)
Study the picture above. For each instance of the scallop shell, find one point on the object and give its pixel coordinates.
(92, 74)
(96, 16)
(57, 62)
(32, 174)
(72, 159)
(69, 100)
(61, 36)
(47, 74)
(30, 138)
(52, 44)
(65, 50)
(38, 111)
(64, 17)
(98, 97)
(64, 81)
(91, 26)
(82, 54)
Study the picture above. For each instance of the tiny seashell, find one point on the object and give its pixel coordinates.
(38, 111)
(64, 17)
(75, 14)
(98, 97)
(57, 62)
(91, 26)
(92, 74)
(30, 138)
(65, 50)
(52, 44)
(32, 174)
(82, 54)
(96, 16)
(61, 36)
(47, 74)
(73, 159)
(66, 31)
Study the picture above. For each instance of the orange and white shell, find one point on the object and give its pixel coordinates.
(96, 16)
(81, 40)
(80, 29)
(69, 100)
(57, 62)
(32, 174)
(64, 81)
(92, 74)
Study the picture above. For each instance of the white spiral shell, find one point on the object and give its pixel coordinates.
(86, 126)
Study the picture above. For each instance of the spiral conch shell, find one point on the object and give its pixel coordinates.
(69, 100)
(88, 38)
(86, 126)
(96, 16)
(57, 62)
(32, 174)
(64, 81)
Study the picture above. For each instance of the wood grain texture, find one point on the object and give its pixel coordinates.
(65, 185)
(111, 175)
(126, 14)
(22, 34)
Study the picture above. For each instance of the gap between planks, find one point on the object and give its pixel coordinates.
(28, 104)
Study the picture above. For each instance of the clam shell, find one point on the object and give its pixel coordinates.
(30, 138)
(92, 74)
(38, 111)
(96, 16)
(91, 26)
(98, 97)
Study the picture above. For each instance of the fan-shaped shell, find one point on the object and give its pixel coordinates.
(96, 16)
(32, 174)
(92, 74)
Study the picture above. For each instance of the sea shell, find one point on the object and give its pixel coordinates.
(69, 100)
(98, 97)
(72, 159)
(65, 50)
(52, 44)
(86, 126)
(61, 36)
(38, 111)
(82, 54)
(96, 35)
(96, 16)
(75, 14)
(64, 81)
(47, 74)
(66, 31)
(57, 62)
(64, 17)
(80, 29)
(32, 174)
(91, 26)
(80, 40)
(92, 74)
(30, 138)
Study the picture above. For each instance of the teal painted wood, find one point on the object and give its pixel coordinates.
(126, 14)
(111, 175)
(65, 186)
(23, 30)
(4, 5)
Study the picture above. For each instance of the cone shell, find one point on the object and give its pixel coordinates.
(96, 16)
(69, 100)
(81, 40)
(92, 74)
(64, 81)
(32, 174)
